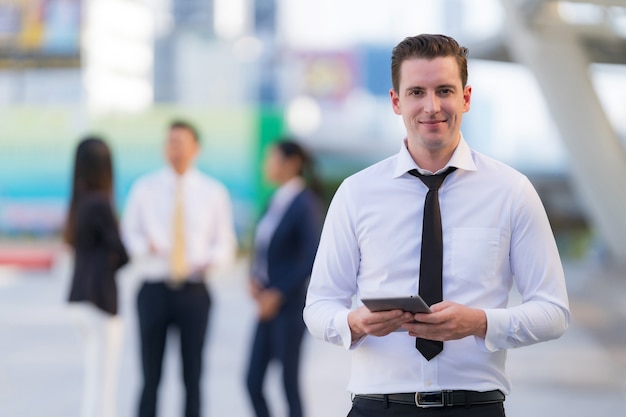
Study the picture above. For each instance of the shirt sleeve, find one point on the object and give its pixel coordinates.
(224, 243)
(536, 266)
(132, 228)
(333, 280)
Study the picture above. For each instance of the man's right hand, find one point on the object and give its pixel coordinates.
(153, 248)
(363, 322)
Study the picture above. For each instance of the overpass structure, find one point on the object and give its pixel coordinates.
(559, 54)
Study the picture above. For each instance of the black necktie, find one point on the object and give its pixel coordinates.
(431, 260)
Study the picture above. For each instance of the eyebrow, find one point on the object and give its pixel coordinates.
(417, 87)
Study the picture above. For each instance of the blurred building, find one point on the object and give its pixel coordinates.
(246, 71)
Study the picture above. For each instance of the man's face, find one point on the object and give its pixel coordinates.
(181, 148)
(431, 102)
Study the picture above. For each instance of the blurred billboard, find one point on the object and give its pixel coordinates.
(40, 33)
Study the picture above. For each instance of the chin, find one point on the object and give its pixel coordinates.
(433, 143)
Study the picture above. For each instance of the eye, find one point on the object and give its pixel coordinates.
(416, 93)
(445, 91)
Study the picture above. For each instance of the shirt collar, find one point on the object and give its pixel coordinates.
(288, 190)
(461, 159)
(174, 177)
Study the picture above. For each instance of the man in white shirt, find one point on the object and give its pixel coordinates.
(495, 234)
(177, 226)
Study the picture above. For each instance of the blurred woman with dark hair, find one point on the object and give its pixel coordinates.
(92, 232)
(284, 248)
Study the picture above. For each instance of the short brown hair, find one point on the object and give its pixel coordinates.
(427, 46)
(183, 124)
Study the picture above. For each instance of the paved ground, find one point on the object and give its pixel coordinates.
(581, 374)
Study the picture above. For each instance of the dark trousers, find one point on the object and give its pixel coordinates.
(161, 307)
(372, 408)
(278, 339)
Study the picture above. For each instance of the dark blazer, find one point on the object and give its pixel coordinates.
(289, 257)
(293, 247)
(99, 253)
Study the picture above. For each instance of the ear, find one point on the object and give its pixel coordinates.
(467, 95)
(395, 101)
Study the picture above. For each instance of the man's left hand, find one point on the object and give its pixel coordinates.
(448, 321)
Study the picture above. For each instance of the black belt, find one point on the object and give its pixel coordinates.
(439, 398)
(192, 279)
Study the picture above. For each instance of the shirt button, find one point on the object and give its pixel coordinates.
(428, 383)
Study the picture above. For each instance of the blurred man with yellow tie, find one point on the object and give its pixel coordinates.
(177, 226)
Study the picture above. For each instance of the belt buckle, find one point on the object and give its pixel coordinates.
(430, 399)
(174, 285)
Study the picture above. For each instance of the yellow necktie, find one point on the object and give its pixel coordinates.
(179, 263)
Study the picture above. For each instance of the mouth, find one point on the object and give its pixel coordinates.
(432, 123)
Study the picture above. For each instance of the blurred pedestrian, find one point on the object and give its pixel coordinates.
(92, 231)
(284, 248)
(177, 225)
(445, 222)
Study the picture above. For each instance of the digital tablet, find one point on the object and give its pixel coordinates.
(412, 304)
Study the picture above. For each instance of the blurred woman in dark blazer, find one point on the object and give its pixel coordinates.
(284, 249)
(92, 232)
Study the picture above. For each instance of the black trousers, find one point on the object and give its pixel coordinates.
(372, 408)
(161, 307)
(278, 339)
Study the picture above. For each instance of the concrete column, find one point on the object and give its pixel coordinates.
(549, 47)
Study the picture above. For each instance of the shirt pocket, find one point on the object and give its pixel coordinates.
(474, 253)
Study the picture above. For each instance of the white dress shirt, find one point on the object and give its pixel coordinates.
(210, 239)
(495, 235)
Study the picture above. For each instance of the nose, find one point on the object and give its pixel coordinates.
(431, 103)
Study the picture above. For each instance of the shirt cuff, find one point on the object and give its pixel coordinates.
(497, 329)
(342, 329)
